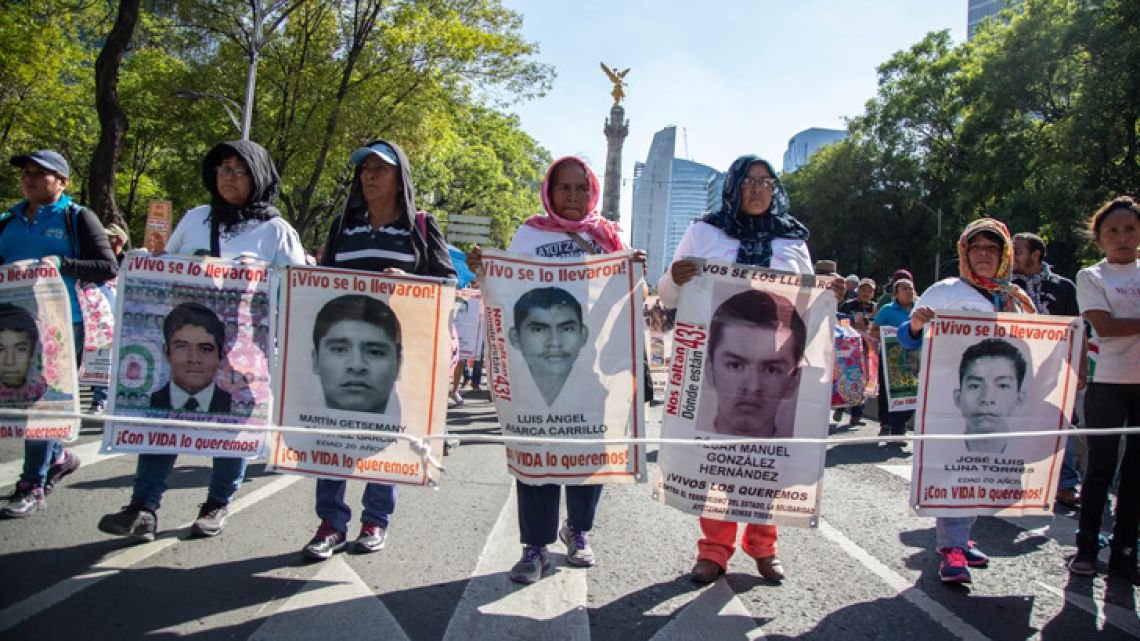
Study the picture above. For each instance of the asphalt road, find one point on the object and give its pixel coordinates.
(868, 572)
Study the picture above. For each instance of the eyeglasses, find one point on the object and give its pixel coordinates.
(758, 183)
(226, 170)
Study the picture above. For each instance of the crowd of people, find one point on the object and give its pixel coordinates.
(381, 230)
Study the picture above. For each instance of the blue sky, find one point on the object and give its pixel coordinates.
(736, 77)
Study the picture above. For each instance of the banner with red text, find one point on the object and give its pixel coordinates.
(368, 355)
(658, 342)
(37, 352)
(469, 323)
(194, 342)
(752, 358)
(993, 373)
(565, 361)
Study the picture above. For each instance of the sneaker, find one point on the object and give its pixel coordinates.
(578, 552)
(953, 568)
(836, 415)
(371, 538)
(211, 518)
(97, 407)
(133, 520)
(1122, 562)
(530, 567)
(327, 541)
(24, 502)
(457, 398)
(705, 571)
(975, 558)
(770, 568)
(66, 465)
(1082, 565)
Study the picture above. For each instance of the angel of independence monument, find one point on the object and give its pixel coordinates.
(616, 129)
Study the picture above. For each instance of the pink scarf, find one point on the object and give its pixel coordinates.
(604, 232)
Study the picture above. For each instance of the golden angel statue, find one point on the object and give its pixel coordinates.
(618, 78)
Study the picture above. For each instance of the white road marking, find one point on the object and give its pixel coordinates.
(1122, 618)
(88, 455)
(716, 614)
(492, 607)
(122, 560)
(334, 604)
(905, 588)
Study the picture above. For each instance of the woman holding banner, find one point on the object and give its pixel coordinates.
(892, 314)
(985, 260)
(571, 227)
(1109, 295)
(380, 230)
(752, 227)
(240, 220)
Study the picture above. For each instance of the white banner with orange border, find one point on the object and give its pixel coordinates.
(366, 355)
(987, 373)
(565, 358)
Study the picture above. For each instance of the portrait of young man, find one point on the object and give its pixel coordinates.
(193, 342)
(549, 333)
(756, 345)
(19, 340)
(357, 353)
(991, 386)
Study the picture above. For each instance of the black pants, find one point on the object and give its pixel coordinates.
(1111, 405)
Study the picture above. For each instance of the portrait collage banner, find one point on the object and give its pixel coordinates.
(993, 373)
(565, 361)
(752, 357)
(195, 342)
(368, 354)
(469, 323)
(900, 371)
(37, 352)
(658, 342)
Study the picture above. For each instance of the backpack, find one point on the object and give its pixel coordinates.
(70, 222)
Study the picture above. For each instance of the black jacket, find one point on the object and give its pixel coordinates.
(1055, 294)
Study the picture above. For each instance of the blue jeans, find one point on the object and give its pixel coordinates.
(379, 503)
(39, 454)
(538, 510)
(153, 470)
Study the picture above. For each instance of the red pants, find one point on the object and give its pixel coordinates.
(719, 542)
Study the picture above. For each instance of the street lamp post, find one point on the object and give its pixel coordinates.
(226, 103)
(938, 250)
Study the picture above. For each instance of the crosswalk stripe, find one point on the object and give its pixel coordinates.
(334, 604)
(492, 607)
(88, 455)
(715, 614)
(1122, 618)
(122, 560)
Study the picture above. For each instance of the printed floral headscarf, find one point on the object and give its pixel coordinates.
(1008, 297)
(755, 233)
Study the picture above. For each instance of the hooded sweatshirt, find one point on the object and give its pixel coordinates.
(353, 244)
(253, 229)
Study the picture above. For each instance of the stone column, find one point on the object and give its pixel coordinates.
(616, 129)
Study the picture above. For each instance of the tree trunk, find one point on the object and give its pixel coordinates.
(112, 120)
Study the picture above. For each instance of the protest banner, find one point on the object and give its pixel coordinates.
(752, 357)
(565, 358)
(469, 323)
(658, 342)
(98, 304)
(157, 230)
(848, 378)
(37, 371)
(96, 368)
(369, 355)
(992, 373)
(900, 371)
(195, 342)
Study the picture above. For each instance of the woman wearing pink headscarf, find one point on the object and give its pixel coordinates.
(571, 227)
